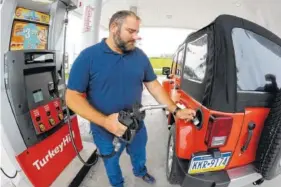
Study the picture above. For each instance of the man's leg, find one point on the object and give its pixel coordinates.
(111, 164)
(137, 152)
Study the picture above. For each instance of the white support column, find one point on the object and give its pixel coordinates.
(134, 9)
(91, 22)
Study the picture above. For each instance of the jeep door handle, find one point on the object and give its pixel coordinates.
(251, 127)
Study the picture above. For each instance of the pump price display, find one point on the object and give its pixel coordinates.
(206, 163)
(31, 15)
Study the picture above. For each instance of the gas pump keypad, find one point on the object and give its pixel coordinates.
(60, 116)
(47, 116)
(42, 127)
(52, 121)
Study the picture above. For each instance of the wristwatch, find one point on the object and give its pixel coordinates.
(176, 110)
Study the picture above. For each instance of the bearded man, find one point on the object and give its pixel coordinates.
(112, 74)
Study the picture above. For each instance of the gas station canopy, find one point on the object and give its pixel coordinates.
(194, 14)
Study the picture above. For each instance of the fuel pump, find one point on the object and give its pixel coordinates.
(35, 119)
(33, 90)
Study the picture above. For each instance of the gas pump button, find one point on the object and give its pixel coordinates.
(60, 116)
(42, 127)
(38, 118)
(52, 121)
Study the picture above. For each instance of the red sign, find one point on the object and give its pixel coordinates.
(43, 162)
(88, 15)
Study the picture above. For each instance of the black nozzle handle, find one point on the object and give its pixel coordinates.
(132, 136)
(125, 118)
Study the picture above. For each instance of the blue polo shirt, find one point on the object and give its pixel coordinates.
(112, 81)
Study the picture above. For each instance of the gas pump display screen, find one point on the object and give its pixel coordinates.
(38, 96)
(27, 35)
(37, 86)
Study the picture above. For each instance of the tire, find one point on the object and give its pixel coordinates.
(268, 157)
(174, 173)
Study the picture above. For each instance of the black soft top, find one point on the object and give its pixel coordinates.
(221, 86)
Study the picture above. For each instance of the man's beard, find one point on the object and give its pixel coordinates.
(121, 44)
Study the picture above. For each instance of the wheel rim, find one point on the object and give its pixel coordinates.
(170, 155)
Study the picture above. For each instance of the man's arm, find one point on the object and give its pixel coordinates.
(161, 96)
(158, 92)
(76, 102)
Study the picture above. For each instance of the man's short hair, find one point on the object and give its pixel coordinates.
(120, 16)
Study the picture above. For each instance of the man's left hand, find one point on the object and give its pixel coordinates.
(186, 114)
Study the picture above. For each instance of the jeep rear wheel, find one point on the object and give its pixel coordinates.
(268, 160)
(173, 171)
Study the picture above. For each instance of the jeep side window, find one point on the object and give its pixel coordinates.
(180, 61)
(258, 62)
(195, 59)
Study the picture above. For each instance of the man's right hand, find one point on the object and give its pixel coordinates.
(114, 126)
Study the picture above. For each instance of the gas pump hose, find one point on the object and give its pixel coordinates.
(14, 115)
(67, 110)
(73, 143)
(10, 177)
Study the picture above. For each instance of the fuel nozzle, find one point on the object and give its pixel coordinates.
(198, 118)
(195, 121)
(151, 107)
(51, 88)
(139, 110)
(131, 119)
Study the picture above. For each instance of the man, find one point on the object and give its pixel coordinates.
(112, 74)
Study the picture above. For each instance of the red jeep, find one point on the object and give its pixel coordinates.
(230, 73)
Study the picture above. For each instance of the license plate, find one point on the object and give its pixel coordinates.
(206, 163)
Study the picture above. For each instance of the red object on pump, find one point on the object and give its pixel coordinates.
(219, 128)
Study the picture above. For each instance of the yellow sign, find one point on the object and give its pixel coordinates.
(31, 15)
(27, 35)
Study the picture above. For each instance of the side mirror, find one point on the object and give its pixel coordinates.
(166, 71)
